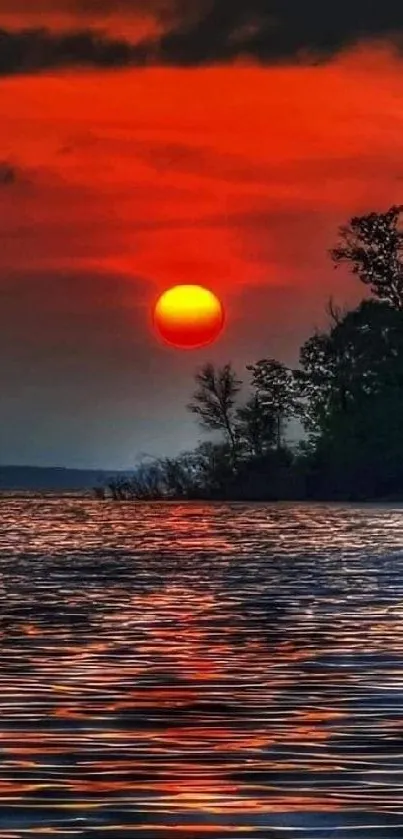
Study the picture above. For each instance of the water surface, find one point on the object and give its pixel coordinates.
(200, 670)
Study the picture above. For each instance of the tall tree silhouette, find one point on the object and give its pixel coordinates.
(274, 385)
(373, 246)
(256, 426)
(214, 401)
(352, 381)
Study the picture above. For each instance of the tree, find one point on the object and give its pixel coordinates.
(373, 245)
(214, 401)
(352, 380)
(255, 427)
(215, 469)
(274, 385)
(178, 476)
(316, 380)
(147, 484)
(357, 360)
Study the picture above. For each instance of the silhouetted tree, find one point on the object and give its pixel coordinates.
(215, 469)
(321, 382)
(356, 360)
(352, 379)
(214, 401)
(176, 476)
(270, 476)
(373, 246)
(256, 427)
(119, 489)
(275, 387)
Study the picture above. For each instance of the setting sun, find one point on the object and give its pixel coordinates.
(188, 316)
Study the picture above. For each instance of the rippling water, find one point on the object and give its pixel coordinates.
(200, 670)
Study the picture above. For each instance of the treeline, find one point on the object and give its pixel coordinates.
(347, 393)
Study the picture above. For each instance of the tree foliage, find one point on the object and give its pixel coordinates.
(344, 371)
(255, 427)
(214, 400)
(275, 387)
(373, 246)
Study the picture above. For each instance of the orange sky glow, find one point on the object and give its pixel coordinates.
(199, 174)
(235, 177)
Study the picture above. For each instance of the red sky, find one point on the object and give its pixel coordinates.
(126, 182)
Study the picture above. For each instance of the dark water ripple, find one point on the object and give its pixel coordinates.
(200, 670)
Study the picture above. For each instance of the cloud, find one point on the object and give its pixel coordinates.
(96, 8)
(191, 33)
(8, 173)
(271, 31)
(33, 50)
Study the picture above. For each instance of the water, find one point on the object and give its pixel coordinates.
(200, 670)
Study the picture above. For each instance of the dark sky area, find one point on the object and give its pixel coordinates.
(145, 144)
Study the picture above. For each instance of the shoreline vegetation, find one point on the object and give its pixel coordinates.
(346, 394)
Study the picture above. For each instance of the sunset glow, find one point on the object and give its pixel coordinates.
(188, 316)
(121, 180)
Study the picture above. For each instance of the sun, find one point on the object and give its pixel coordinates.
(188, 317)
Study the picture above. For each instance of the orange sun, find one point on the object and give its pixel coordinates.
(188, 316)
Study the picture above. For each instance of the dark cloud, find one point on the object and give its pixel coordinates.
(44, 10)
(271, 30)
(205, 32)
(8, 173)
(33, 50)
(160, 8)
(90, 7)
